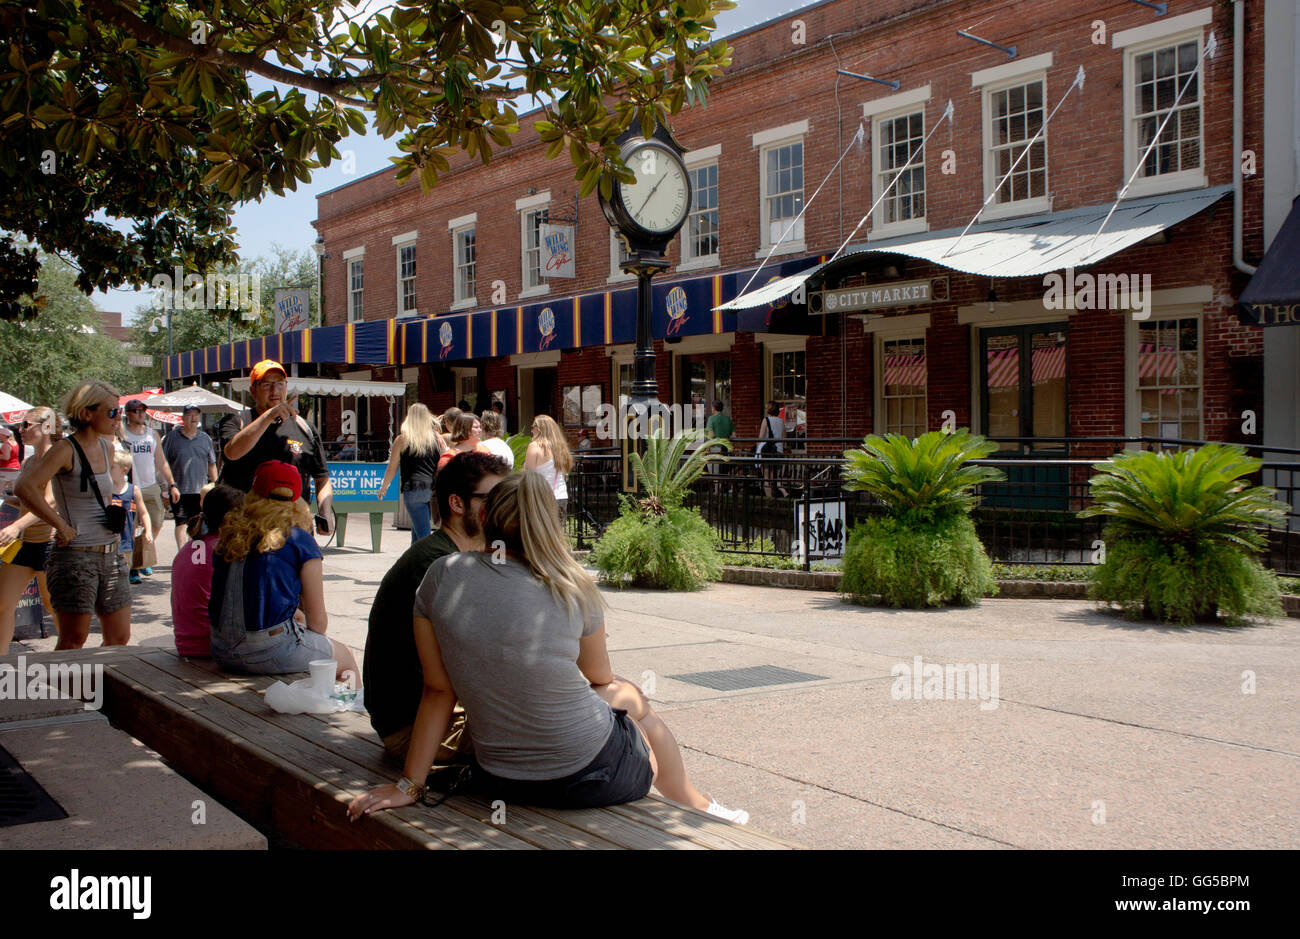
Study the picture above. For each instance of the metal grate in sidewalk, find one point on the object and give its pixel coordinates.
(755, 676)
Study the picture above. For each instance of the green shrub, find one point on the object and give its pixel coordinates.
(673, 551)
(1045, 572)
(1183, 533)
(1148, 578)
(906, 560)
(927, 475)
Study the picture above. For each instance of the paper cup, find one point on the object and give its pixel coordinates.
(322, 676)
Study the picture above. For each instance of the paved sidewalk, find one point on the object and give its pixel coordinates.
(1106, 734)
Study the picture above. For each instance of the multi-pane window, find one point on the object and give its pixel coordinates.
(356, 285)
(1169, 378)
(900, 139)
(1017, 115)
(406, 279)
(1158, 76)
(902, 386)
(701, 238)
(533, 222)
(466, 265)
(789, 380)
(783, 193)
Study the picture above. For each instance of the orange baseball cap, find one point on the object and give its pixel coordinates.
(267, 365)
(275, 479)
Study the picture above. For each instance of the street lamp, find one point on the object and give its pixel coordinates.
(318, 246)
(164, 321)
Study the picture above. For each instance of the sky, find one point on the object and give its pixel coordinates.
(286, 220)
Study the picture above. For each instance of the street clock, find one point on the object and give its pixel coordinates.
(647, 213)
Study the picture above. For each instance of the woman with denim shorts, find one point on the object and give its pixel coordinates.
(85, 573)
(415, 456)
(267, 564)
(520, 640)
(39, 431)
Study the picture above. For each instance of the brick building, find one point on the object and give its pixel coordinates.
(906, 329)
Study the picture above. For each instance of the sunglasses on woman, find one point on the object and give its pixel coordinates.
(111, 412)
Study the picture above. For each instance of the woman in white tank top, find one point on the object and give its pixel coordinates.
(549, 455)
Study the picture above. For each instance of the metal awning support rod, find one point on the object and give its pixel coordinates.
(1077, 83)
(1160, 8)
(789, 228)
(1210, 45)
(867, 78)
(946, 116)
(1009, 50)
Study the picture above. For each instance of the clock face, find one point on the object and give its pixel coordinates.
(660, 199)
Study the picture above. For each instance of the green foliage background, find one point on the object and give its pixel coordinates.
(909, 561)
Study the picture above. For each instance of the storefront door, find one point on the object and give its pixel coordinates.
(705, 380)
(1023, 394)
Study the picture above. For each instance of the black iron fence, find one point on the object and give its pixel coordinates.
(794, 505)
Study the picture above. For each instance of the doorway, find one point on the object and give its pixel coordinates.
(1023, 393)
(703, 380)
(536, 394)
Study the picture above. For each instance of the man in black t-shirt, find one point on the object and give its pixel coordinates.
(274, 431)
(394, 680)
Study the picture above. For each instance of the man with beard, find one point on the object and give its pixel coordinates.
(393, 677)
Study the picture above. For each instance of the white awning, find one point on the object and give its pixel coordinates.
(1022, 247)
(337, 386)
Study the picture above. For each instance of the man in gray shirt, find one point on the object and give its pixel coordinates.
(193, 461)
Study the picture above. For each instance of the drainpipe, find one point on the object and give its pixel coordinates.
(1238, 68)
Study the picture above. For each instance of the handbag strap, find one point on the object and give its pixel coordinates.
(86, 474)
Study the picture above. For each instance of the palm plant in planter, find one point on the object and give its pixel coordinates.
(1183, 534)
(656, 541)
(924, 551)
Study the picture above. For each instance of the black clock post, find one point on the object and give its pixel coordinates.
(646, 215)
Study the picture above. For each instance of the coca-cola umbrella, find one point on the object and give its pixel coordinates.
(146, 397)
(12, 410)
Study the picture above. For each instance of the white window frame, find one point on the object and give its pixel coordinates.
(1192, 308)
(766, 141)
(458, 226)
(616, 274)
(407, 240)
(990, 82)
(1172, 32)
(878, 367)
(879, 227)
(698, 160)
(774, 343)
(527, 207)
(350, 257)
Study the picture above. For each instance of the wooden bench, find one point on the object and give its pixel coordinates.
(375, 508)
(295, 773)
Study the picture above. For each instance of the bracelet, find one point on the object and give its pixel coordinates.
(408, 786)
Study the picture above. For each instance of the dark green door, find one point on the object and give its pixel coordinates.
(1023, 394)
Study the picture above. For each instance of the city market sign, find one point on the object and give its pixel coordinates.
(878, 296)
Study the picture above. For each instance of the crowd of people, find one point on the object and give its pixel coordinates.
(486, 641)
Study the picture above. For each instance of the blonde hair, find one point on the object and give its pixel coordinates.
(261, 524)
(549, 433)
(45, 419)
(123, 459)
(521, 513)
(85, 396)
(490, 421)
(420, 432)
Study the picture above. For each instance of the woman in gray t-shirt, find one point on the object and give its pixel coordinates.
(518, 635)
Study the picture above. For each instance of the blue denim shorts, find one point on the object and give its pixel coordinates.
(285, 648)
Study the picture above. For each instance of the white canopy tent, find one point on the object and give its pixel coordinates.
(194, 395)
(12, 409)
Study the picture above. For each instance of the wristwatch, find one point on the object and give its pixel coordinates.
(409, 787)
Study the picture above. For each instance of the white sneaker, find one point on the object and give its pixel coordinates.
(738, 816)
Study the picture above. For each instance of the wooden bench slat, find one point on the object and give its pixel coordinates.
(360, 745)
(284, 755)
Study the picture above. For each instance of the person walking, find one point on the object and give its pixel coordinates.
(38, 431)
(415, 455)
(268, 563)
(273, 430)
(521, 642)
(771, 433)
(193, 461)
(492, 442)
(391, 666)
(11, 459)
(549, 455)
(151, 470)
(85, 573)
(466, 437)
(718, 427)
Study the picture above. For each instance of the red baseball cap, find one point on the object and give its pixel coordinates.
(278, 480)
(267, 365)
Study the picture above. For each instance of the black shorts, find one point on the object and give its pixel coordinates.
(33, 555)
(188, 506)
(620, 773)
